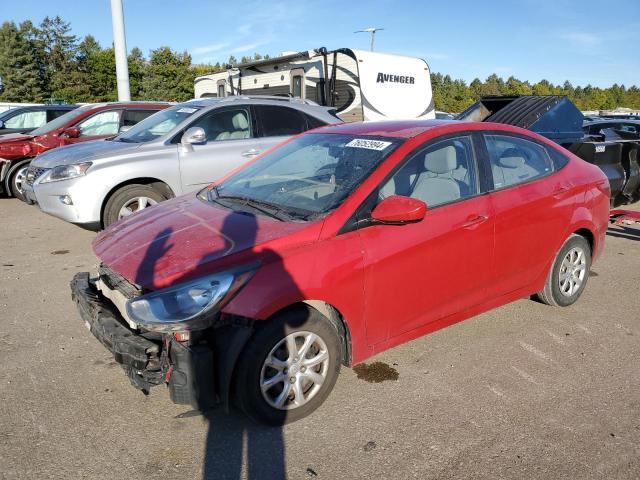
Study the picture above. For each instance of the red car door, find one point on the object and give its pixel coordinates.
(419, 273)
(532, 205)
(103, 124)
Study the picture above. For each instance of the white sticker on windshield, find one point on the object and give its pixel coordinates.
(187, 110)
(369, 144)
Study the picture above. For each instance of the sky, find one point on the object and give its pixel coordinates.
(583, 41)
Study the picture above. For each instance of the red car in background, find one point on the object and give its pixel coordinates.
(337, 245)
(88, 122)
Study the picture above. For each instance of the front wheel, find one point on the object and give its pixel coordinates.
(288, 367)
(129, 200)
(17, 178)
(569, 273)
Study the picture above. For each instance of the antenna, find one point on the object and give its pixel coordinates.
(372, 31)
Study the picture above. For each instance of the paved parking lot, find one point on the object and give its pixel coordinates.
(525, 391)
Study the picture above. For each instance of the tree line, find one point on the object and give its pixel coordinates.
(47, 62)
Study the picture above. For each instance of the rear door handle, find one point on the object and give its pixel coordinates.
(475, 220)
(250, 153)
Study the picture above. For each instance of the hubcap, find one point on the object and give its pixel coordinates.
(294, 370)
(20, 178)
(573, 271)
(134, 205)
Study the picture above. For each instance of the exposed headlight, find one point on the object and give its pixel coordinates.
(65, 172)
(190, 305)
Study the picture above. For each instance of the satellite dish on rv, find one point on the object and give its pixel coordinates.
(372, 31)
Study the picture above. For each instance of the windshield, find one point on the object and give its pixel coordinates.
(308, 176)
(60, 121)
(156, 125)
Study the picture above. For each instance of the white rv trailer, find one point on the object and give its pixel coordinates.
(361, 85)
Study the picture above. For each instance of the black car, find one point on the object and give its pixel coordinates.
(25, 119)
(594, 127)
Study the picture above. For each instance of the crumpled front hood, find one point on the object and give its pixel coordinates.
(82, 152)
(15, 137)
(186, 238)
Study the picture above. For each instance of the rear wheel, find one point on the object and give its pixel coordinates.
(569, 273)
(288, 367)
(129, 200)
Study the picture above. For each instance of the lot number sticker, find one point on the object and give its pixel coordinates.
(368, 144)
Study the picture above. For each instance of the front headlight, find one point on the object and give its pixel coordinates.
(188, 306)
(65, 172)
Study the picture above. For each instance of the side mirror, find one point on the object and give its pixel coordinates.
(1, 124)
(193, 136)
(73, 132)
(124, 128)
(397, 210)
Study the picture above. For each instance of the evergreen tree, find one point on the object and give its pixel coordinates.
(168, 76)
(18, 65)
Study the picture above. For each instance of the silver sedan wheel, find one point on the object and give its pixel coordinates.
(134, 205)
(294, 370)
(573, 271)
(20, 178)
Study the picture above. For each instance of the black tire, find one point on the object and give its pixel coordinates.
(15, 177)
(123, 196)
(248, 373)
(552, 293)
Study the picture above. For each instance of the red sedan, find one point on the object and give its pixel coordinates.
(339, 244)
(88, 122)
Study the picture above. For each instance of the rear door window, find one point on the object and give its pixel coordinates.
(280, 121)
(53, 114)
(131, 117)
(515, 160)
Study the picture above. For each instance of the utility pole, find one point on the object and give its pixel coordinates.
(372, 31)
(120, 49)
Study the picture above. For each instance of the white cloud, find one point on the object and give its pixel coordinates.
(582, 39)
(216, 47)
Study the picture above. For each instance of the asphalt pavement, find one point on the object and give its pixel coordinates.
(524, 391)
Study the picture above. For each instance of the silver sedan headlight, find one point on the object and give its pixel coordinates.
(66, 172)
(190, 305)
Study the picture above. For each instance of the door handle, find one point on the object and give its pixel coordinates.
(475, 220)
(250, 153)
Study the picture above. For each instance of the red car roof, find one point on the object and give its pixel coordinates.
(389, 128)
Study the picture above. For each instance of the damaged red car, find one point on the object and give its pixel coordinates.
(339, 244)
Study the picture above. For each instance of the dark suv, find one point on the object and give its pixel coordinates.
(25, 119)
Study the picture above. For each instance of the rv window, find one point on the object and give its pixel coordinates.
(280, 121)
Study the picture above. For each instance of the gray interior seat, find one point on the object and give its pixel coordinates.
(511, 168)
(240, 126)
(436, 185)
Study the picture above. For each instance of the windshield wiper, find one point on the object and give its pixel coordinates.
(258, 205)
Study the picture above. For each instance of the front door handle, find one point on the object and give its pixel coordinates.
(475, 220)
(251, 152)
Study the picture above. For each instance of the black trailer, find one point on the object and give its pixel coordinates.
(616, 152)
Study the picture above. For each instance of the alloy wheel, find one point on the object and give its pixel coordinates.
(572, 272)
(294, 370)
(134, 205)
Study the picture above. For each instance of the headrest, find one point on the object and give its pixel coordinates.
(239, 121)
(443, 160)
(512, 158)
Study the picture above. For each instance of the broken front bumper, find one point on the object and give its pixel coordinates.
(148, 359)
